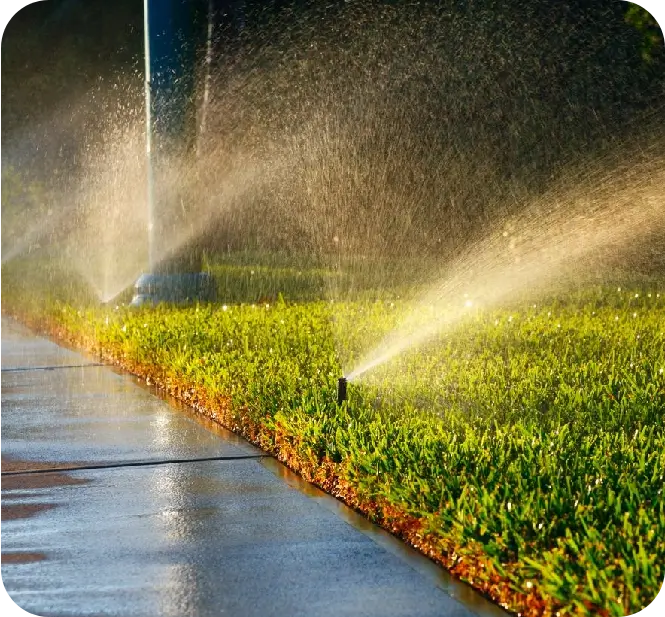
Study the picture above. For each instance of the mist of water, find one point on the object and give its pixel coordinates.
(576, 227)
(401, 144)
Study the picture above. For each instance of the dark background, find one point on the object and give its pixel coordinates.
(55, 50)
(528, 85)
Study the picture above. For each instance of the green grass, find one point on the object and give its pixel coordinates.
(534, 434)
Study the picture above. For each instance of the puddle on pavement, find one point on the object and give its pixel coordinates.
(26, 485)
(15, 557)
(14, 511)
(19, 488)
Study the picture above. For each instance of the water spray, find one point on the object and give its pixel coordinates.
(341, 390)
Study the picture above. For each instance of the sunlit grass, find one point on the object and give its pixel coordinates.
(537, 433)
(532, 433)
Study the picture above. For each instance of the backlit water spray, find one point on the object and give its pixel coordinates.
(588, 220)
(373, 143)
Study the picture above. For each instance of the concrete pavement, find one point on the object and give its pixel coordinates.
(128, 531)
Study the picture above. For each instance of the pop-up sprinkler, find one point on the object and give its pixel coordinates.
(341, 390)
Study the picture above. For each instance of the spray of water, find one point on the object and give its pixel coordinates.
(579, 225)
(373, 141)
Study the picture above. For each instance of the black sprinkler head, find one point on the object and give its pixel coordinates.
(341, 390)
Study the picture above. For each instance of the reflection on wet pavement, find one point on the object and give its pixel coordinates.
(199, 538)
(21, 500)
(8, 558)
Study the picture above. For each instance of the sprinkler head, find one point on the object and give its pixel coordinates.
(341, 390)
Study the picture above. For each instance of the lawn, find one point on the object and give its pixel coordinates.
(524, 449)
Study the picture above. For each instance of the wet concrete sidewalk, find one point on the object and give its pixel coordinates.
(151, 511)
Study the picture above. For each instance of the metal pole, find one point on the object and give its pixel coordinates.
(172, 37)
(150, 180)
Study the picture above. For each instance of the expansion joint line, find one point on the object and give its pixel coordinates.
(49, 368)
(239, 457)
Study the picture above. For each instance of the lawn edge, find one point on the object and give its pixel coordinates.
(465, 563)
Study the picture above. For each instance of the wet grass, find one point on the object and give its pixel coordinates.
(526, 447)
